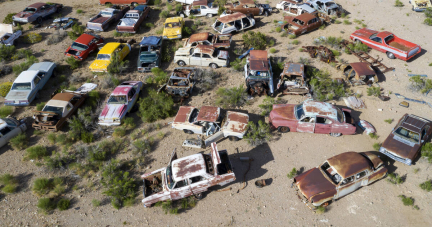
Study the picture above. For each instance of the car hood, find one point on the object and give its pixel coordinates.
(400, 146)
(152, 173)
(101, 65)
(112, 111)
(171, 31)
(17, 95)
(313, 182)
(364, 32)
(23, 15)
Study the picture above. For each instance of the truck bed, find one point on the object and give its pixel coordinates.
(399, 46)
(99, 20)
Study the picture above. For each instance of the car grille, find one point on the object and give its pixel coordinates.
(395, 157)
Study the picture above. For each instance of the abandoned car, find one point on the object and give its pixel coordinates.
(248, 7)
(199, 8)
(406, 139)
(258, 73)
(184, 177)
(327, 7)
(208, 39)
(202, 55)
(293, 80)
(60, 108)
(338, 176)
(26, 86)
(105, 18)
(173, 28)
(121, 101)
(181, 82)
(296, 7)
(9, 128)
(149, 53)
(235, 22)
(132, 20)
(299, 25)
(84, 45)
(124, 2)
(36, 12)
(106, 55)
(358, 73)
(7, 35)
(312, 117)
(211, 121)
(386, 42)
(420, 5)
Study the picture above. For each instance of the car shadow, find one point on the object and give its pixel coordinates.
(380, 75)
(23, 179)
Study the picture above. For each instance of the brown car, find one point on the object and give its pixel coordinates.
(301, 24)
(293, 80)
(337, 177)
(248, 7)
(208, 39)
(358, 73)
(405, 141)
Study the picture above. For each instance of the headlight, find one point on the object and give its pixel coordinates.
(408, 161)
(179, 35)
(382, 150)
(116, 119)
(165, 37)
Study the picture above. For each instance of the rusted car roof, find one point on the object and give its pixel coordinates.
(258, 60)
(208, 113)
(188, 167)
(204, 49)
(284, 111)
(37, 5)
(414, 123)
(348, 163)
(313, 108)
(231, 17)
(252, 2)
(305, 17)
(293, 68)
(362, 68)
(63, 96)
(199, 37)
(258, 54)
(183, 114)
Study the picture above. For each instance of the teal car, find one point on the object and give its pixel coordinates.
(149, 53)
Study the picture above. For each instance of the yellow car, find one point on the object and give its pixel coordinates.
(173, 28)
(105, 55)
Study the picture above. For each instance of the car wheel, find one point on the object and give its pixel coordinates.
(233, 138)
(182, 15)
(39, 20)
(134, 4)
(188, 131)
(390, 55)
(213, 65)
(181, 63)
(283, 129)
(199, 196)
(209, 15)
(335, 134)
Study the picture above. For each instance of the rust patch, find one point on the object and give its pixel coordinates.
(208, 113)
(199, 36)
(63, 96)
(232, 17)
(376, 161)
(204, 49)
(183, 114)
(348, 163)
(285, 111)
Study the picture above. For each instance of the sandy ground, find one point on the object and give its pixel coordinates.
(276, 204)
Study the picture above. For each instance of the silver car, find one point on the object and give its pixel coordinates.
(9, 128)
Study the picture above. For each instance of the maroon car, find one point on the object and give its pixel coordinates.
(405, 141)
(36, 12)
(313, 117)
(83, 46)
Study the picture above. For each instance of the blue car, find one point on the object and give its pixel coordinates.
(149, 53)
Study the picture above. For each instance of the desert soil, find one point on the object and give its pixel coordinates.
(273, 205)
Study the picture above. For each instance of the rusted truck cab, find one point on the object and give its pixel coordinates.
(188, 176)
(259, 74)
(293, 80)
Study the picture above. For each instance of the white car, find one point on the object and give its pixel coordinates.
(296, 7)
(199, 8)
(7, 36)
(202, 55)
(9, 128)
(235, 22)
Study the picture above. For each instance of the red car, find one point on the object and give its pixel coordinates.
(313, 117)
(386, 42)
(84, 45)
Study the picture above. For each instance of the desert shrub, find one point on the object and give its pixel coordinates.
(388, 121)
(238, 64)
(187, 31)
(155, 106)
(427, 186)
(277, 65)
(267, 105)
(30, 60)
(119, 132)
(76, 127)
(55, 37)
(358, 47)
(336, 53)
(149, 25)
(231, 97)
(324, 87)
(51, 138)
(56, 162)
(337, 21)
(8, 19)
(426, 151)
(40, 106)
(278, 29)
(160, 76)
(19, 142)
(96, 202)
(398, 3)
(116, 65)
(164, 14)
(6, 111)
(159, 31)
(92, 99)
(272, 50)
(46, 204)
(36, 152)
(295, 42)
(79, 11)
(129, 122)
(292, 174)
(256, 40)
(6, 52)
(406, 200)
(87, 137)
(63, 204)
(374, 91)
(206, 79)
(346, 22)
(5, 88)
(110, 81)
(373, 136)
(420, 84)
(376, 146)
(43, 186)
(292, 36)
(72, 62)
(304, 61)
(167, 51)
(77, 30)
(5, 69)
(257, 134)
(395, 178)
(320, 210)
(142, 146)
(32, 37)
(9, 182)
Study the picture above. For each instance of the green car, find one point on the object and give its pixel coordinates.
(149, 53)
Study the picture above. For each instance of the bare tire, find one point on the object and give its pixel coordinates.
(199, 196)
(283, 129)
(181, 63)
(213, 65)
(233, 138)
(209, 15)
(390, 55)
(188, 131)
(335, 134)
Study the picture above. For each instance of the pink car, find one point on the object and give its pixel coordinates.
(386, 42)
(313, 117)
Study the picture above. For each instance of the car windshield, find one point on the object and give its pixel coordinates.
(407, 134)
(54, 109)
(331, 173)
(169, 177)
(262, 73)
(299, 112)
(9, 122)
(144, 57)
(117, 99)
(172, 25)
(29, 10)
(79, 46)
(21, 86)
(340, 115)
(103, 57)
(106, 14)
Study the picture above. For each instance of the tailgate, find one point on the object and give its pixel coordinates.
(94, 26)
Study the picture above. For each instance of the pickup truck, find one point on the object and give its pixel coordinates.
(7, 36)
(122, 2)
(132, 20)
(199, 8)
(296, 7)
(208, 39)
(105, 18)
(149, 55)
(184, 177)
(202, 55)
(9, 128)
(386, 42)
(36, 12)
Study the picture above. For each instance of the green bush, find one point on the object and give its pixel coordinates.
(159, 31)
(256, 40)
(388, 121)
(278, 29)
(52, 138)
(272, 50)
(428, 12)
(5, 88)
(129, 123)
(346, 22)
(395, 178)
(178, 7)
(19, 142)
(155, 106)
(77, 30)
(157, 2)
(373, 136)
(87, 137)
(6, 52)
(40, 106)
(32, 37)
(63, 204)
(72, 62)
(257, 134)
(42, 186)
(187, 31)
(17, 69)
(6, 111)
(238, 64)
(169, 7)
(292, 174)
(374, 91)
(36, 152)
(320, 210)
(117, 65)
(376, 146)
(267, 105)
(427, 186)
(46, 204)
(406, 200)
(8, 19)
(96, 202)
(422, 84)
(337, 21)
(167, 51)
(9, 183)
(160, 76)
(292, 36)
(164, 14)
(119, 132)
(295, 42)
(426, 151)
(398, 3)
(92, 98)
(142, 146)
(79, 11)
(325, 88)
(231, 97)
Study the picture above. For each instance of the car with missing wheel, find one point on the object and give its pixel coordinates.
(338, 176)
(84, 45)
(192, 175)
(295, 7)
(202, 55)
(406, 139)
(208, 39)
(358, 73)
(199, 8)
(181, 82)
(259, 73)
(293, 80)
(36, 12)
(420, 5)
(312, 117)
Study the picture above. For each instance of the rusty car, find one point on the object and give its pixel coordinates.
(406, 139)
(235, 22)
(84, 45)
(60, 108)
(181, 82)
(295, 7)
(312, 117)
(248, 7)
(338, 176)
(327, 7)
(133, 19)
(259, 74)
(202, 55)
(293, 80)
(123, 2)
(192, 175)
(358, 73)
(214, 122)
(149, 55)
(106, 17)
(11, 127)
(301, 24)
(36, 12)
(208, 39)
(199, 8)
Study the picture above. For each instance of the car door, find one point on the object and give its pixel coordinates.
(132, 98)
(206, 60)
(204, 10)
(124, 51)
(198, 184)
(67, 110)
(376, 42)
(37, 84)
(195, 59)
(306, 124)
(181, 190)
(323, 125)
(346, 186)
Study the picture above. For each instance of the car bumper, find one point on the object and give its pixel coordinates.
(394, 157)
(21, 20)
(418, 9)
(172, 37)
(109, 123)
(302, 197)
(17, 104)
